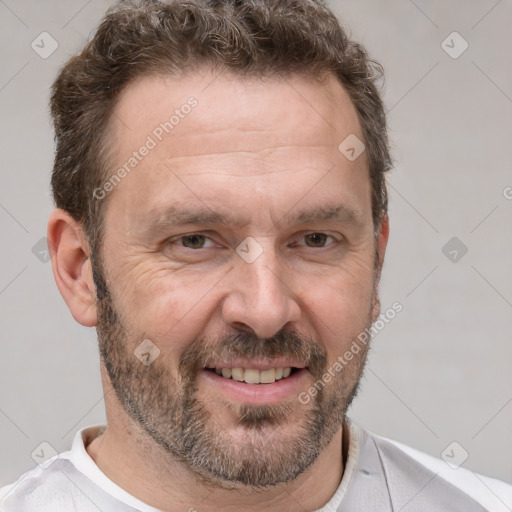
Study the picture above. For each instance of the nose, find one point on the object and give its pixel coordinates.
(260, 298)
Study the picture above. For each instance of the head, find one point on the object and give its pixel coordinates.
(207, 218)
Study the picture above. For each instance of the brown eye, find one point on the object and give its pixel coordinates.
(316, 239)
(193, 241)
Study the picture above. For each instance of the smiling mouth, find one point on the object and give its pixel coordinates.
(253, 376)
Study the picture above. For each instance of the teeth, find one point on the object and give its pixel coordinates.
(267, 376)
(237, 374)
(252, 376)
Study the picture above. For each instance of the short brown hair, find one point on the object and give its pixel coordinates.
(247, 37)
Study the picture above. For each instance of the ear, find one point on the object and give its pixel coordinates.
(69, 251)
(382, 242)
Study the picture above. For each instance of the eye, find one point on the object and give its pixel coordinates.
(194, 241)
(317, 240)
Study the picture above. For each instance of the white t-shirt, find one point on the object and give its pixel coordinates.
(380, 475)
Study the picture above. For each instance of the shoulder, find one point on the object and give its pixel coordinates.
(492, 494)
(58, 486)
(69, 481)
(40, 488)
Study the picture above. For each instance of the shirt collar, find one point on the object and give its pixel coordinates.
(85, 464)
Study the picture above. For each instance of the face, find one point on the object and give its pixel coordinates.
(241, 245)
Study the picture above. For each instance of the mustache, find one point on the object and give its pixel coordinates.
(287, 344)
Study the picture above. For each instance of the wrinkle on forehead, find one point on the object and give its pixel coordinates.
(240, 115)
(282, 137)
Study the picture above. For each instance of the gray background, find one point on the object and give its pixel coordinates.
(441, 370)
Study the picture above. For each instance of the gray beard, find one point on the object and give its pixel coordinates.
(166, 408)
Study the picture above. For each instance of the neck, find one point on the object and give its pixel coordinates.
(125, 455)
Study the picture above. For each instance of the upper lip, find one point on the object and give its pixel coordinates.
(256, 364)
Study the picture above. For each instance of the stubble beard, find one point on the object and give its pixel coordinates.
(167, 409)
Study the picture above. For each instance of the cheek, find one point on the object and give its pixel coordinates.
(163, 304)
(340, 303)
(351, 276)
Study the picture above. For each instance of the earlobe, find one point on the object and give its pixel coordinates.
(376, 308)
(71, 266)
(382, 242)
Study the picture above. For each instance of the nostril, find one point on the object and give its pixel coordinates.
(243, 328)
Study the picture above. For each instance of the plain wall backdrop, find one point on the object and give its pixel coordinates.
(441, 370)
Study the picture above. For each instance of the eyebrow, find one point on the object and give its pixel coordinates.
(175, 216)
(335, 212)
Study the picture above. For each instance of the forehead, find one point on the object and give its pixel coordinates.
(205, 130)
(293, 110)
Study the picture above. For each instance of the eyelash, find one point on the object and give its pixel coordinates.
(181, 237)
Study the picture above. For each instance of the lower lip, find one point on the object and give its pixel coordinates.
(258, 394)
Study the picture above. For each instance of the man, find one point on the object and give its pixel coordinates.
(222, 221)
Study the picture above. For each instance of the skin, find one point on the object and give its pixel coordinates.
(259, 150)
